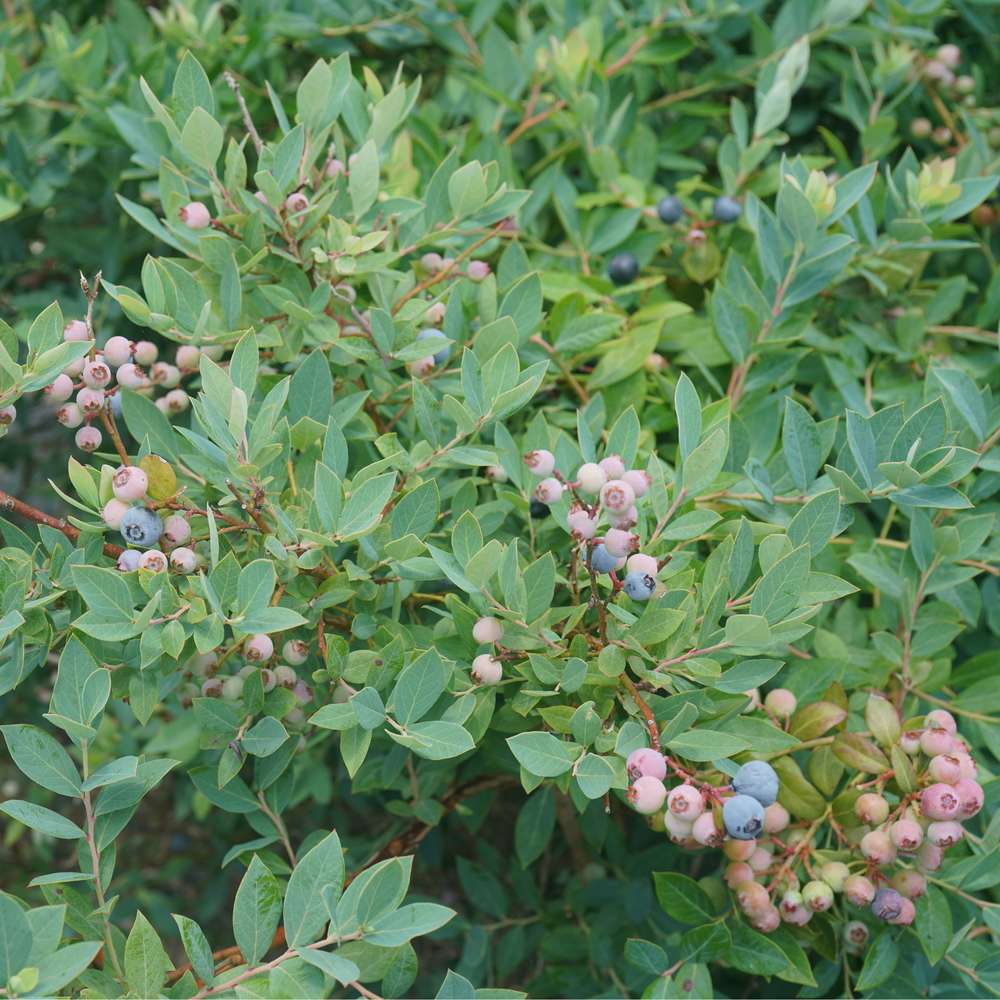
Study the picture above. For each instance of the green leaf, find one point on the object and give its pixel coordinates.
(880, 961)
(264, 737)
(146, 962)
(707, 744)
(202, 137)
(418, 687)
(42, 759)
(594, 775)
(363, 508)
(682, 898)
(199, 951)
(315, 884)
(406, 923)
(933, 924)
(15, 937)
(705, 463)
(755, 953)
(336, 966)
(256, 911)
(542, 754)
(534, 826)
(63, 966)
(801, 444)
(44, 820)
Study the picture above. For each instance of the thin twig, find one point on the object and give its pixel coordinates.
(234, 86)
(8, 502)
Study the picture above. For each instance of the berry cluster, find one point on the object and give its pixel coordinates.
(613, 492)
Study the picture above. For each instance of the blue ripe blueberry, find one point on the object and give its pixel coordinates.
(602, 560)
(442, 356)
(757, 779)
(743, 817)
(141, 527)
(538, 510)
(887, 905)
(726, 209)
(670, 209)
(116, 404)
(623, 268)
(639, 586)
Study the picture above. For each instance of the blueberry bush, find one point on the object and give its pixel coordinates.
(519, 506)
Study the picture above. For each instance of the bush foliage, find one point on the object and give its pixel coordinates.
(322, 672)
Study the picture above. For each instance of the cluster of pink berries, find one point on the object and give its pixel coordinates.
(608, 489)
(97, 378)
(486, 667)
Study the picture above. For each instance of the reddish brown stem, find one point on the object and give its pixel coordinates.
(9, 503)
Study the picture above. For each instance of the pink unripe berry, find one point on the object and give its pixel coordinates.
(183, 560)
(871, 808)
(737, 872)
(936, 741)
(113, 512)
(739, 850)
(540, 462)
(967, 764)
(646, 762)
(74, 368)
(69, 415)
(617, 496)
(195, 215)
(487, 669)
(638, 480)
(478, 270)
(177, 401)
(431, 262)
(929, 857)
(435, 311)
(129, 483)
(876, 846)
(678, 828)
(164, 374)
(8, 414)
(590, 477)
(970, 795)
(640, 563)
(817, 895)
(287, 677)
(295, 651)
(130, 376)
(118, 351)
(60, 390)
(945, 833)
(487, 629)
(187, 357)
(909, 741)
(776, 818)
(909, 883)
(686, 802)
(950, 55)
(613, 466)
(211, 688)
(88, 438)
(497, 473)
(945, 767)
(906, 835)
(581, 523)
(145, 352)
(706, 832)
(334, 168)
(936, 70)
(620, 543)
(752, 897)
(258, 648)
(647, 794)
(793, 909)
(421, 366)
(941, 719)
(859, 890)
(267, 680)
(548, 491)
(176, 530)
(625, 520)
(761, 859)
(907, 913)
(296, 202)
(96, 375)
(76, 329)
(767, 920)
(153, 560)
(939, 802)
(780, 702)
(90, 400)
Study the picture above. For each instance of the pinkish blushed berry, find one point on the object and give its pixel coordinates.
(145, 352)
(909, 883)
(8, 414)
(776, 818)
(295, 651)
(613, 466)
(183, 560)
(548, 491)
(128, 561)
(941, 719)
(96, 375)
(909, 741)
(176, 530)
(871, 809)
(817, 895)
(74, 368)
(686, 802)
(581, 523)
(624, 521)
(939, 802)
(907, 913)
(950, 55)
(945, 767)
(421, 366)
(767, 920)
(267, 680)
(296, 202)
(187, 357)
(638, 480)
(165, 375)
(211, 688)
(431, 262)
(195, 215)
(497, 473)
(969, 768)
(761, 859)
(906, 834)
(793, 910)
(487, 629)
(590, 477)
(752, 897)
(478, 270)
(131, 376)
(936, 741)
(737, 872)
(677, 827)
(620, 543)
(76, 330)
(780, 702)
(640, 563)
(113, 512)
(90, 400)
(706, 832)
(435, 311)
(88, 438)
(334, 168)
(856, 935)
(647, 794)
(945, 833)
(876, 846)
(929, 857)
(153, 560)
(60, 389)
(487, 669)
(646, 762)
(859, 890)
(177, 401)
(970, 795)
(739, 850)
(540, 462)
(617, 496)
(835, 874)
(129, 483)
(285, 676)
(118, 351)
(258, 648)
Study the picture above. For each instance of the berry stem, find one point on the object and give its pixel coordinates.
(647, 712)
(107, 418)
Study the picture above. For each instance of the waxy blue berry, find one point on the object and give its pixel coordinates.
(602, 560)
(623, 268)
(141, 527)
(726, 209)
(757, 779)
(639, 586)
(670, 209)
(743, 817)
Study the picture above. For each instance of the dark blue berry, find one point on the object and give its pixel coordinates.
(639, 586)
(726, 209)
(141, 527)
(743, 817)
(887, 905)
(757, 779)
(623, 268)
(670, 209)
(538, 510)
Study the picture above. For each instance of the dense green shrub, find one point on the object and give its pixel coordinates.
(360, 342)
